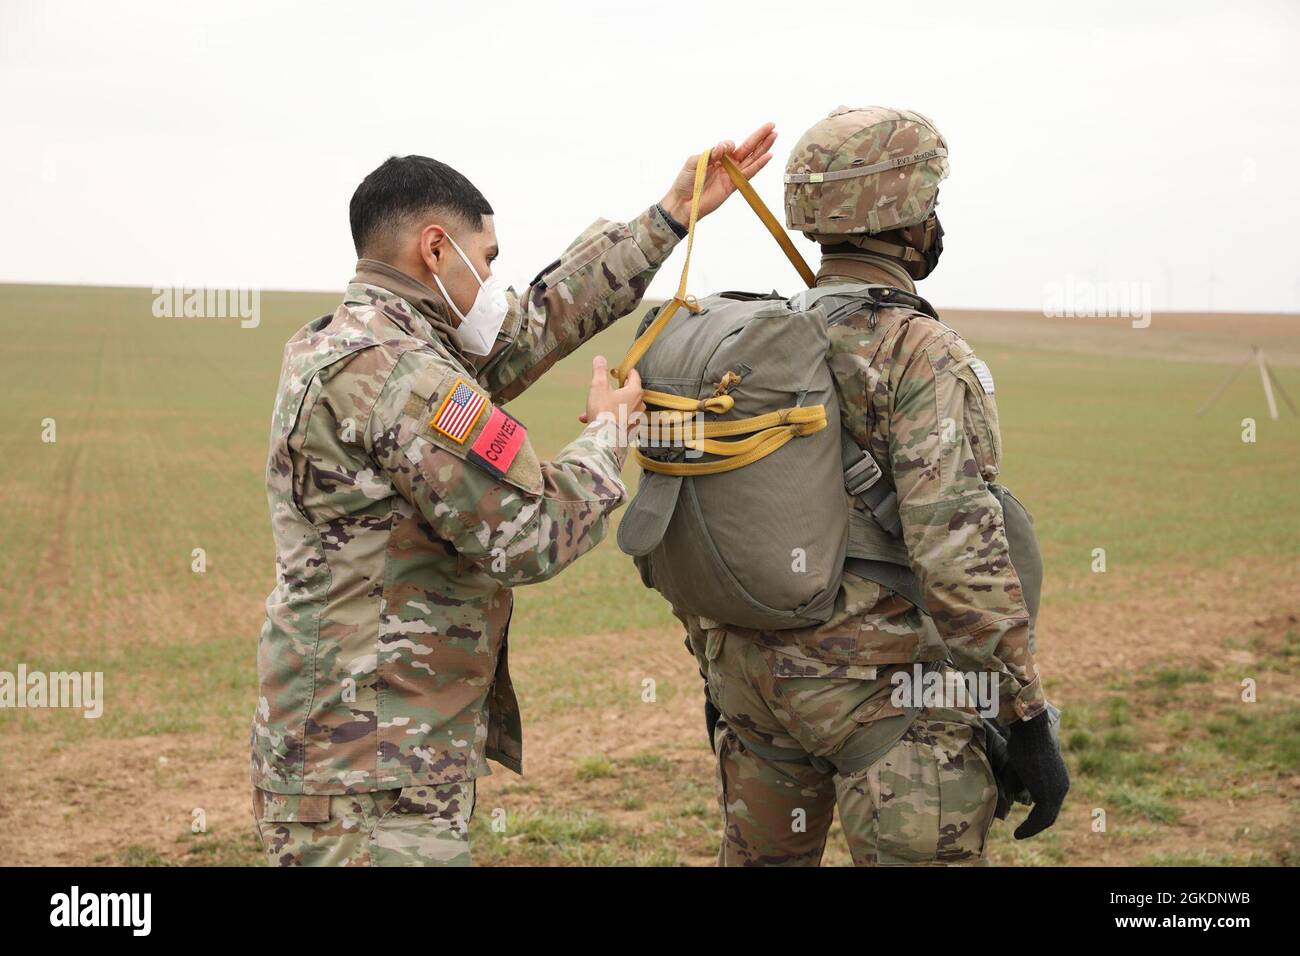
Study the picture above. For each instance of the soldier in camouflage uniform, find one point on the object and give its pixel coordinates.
(405, 505)
(798, 707)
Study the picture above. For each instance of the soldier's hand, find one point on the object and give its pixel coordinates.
(1035, 756)
(620, 403)
(751, 156)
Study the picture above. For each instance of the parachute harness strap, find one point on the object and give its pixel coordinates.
(770, 431)
(646, 339)
(770, 221)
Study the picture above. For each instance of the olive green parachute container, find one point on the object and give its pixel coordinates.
(758, 531)
(763, 545)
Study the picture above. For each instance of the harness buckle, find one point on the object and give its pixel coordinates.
(862, 476)
(665, 453)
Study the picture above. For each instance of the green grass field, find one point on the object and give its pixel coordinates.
(161, 429)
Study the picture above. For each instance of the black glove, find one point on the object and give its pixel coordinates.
(1035, 756)
(1011, 790)
(711, 715)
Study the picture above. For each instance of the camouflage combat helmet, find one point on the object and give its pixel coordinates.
(862, 171)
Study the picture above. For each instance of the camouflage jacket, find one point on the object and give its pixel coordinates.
(404, 505)
(909, 393)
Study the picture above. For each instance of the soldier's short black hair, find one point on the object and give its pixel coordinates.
(410, 185)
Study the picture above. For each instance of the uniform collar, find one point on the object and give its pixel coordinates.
(840, 267)
(406, 301)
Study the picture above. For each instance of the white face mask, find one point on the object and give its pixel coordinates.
(478, 328)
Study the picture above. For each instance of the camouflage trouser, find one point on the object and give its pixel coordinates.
(929, 800)
(414, 826)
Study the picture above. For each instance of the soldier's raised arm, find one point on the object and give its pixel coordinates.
(600, 278)
(945, 448)
(470, 470)
(603, 273)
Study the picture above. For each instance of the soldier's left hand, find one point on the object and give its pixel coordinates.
(751, 156)
(1035, 756)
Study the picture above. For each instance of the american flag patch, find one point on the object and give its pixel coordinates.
(458, 412)
(983, 374)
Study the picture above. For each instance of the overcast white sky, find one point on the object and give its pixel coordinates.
(219, 143)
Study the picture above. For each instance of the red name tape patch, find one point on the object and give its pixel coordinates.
(498, 444)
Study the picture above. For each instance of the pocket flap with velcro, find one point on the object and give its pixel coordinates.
(786, 664)
(295, 807)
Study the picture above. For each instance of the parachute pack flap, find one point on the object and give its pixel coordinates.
(646, 519)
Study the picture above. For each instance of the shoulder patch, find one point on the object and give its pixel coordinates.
(459, 411)
(472, 428)
(499, 443)
(983, 374)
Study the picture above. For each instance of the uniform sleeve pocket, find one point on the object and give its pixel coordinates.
(579, 257)
(981, 422)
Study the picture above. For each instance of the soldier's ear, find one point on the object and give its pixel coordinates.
(434, 247)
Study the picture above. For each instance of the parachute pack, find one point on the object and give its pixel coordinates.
(753, 502)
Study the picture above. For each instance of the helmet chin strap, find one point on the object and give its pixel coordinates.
(893, 250)
(916, 262)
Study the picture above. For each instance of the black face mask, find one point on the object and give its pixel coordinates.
(916, 248)
(935, 249)
(924, 244)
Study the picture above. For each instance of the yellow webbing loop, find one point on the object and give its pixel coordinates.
(666, 313)
(771, 440)
(773, 225)
(772, 430)
(678, 428)
(718, 404)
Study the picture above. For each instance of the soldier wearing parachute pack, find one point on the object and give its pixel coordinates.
(855, 540)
